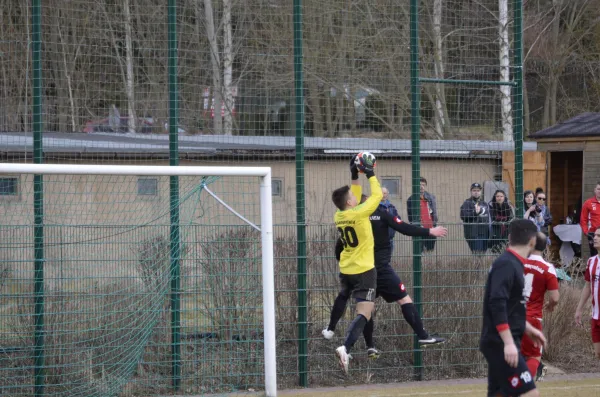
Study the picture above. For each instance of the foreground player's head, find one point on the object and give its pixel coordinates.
(343, 198)
(540, 243)
(522, 236)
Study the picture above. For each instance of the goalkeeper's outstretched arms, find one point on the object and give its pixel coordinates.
(369, 206)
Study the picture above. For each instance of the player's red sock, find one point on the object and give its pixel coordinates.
(533, 365)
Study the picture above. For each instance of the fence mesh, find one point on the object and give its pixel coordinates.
(109, 81)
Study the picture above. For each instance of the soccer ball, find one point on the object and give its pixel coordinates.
(364, 159)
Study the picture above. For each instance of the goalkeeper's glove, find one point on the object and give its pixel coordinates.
(369, 172)
(353, 168)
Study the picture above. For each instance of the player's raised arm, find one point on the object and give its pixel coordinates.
(367, 165)
(355, 186)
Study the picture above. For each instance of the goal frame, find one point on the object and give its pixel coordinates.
(266, 227)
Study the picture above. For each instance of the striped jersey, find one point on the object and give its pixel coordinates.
(540, 276)
(592, 276)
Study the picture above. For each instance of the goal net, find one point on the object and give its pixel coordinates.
(115, 278)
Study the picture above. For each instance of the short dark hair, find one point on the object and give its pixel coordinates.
(538, 190)
(340, 196)
(521, 232)
(424, 180)
(540, 241)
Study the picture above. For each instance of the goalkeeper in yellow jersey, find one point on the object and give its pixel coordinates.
(357, 260)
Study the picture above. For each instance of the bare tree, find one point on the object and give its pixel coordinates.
(441, 120)
(505, 91)
(227, 68)
(130, 79)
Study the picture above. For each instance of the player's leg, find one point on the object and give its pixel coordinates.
(363, 289)
(337, 310)
(372, 351)
(531, 352)
(392, 289)
(596, 336)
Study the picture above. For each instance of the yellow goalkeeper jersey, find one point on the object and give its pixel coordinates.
(356, 232)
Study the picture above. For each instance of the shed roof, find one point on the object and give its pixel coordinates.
(584, 125)
(222, 145)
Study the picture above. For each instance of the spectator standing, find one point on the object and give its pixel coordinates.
(386, 206)
(475, 214)
(533, 212)
(427, 207)
(501, 214)
(590, 218)
(541, 199)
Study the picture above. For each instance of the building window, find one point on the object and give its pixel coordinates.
(277, 187)
(147, 187)
(393, 186)
(9, 186)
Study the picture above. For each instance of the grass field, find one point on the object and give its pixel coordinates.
(576, 385)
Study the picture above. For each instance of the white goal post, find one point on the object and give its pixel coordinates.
(266, 226)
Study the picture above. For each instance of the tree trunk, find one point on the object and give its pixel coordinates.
(130, 78)
(526, 114)
(227, 68)
(67, 74)
(505, 91)
(441, 120)
(216, 66)
(314, 101)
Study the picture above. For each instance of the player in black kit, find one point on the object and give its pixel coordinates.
(504, 321)
(389, 285)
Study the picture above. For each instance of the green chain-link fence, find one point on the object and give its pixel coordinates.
(150, 286)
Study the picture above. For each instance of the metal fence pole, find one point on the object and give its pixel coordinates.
(518, 104)
(38, 200)
(300, 199)
(174, 197)
(415, 89)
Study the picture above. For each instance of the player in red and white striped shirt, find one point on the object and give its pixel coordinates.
(540, 277)
(592, 287)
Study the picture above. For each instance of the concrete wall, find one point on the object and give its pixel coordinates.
(97, 224)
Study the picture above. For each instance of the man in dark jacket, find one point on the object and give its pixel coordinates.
(475, 214)
(426, 205)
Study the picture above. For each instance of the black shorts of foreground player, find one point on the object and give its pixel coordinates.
(389, 285)
(504, 317)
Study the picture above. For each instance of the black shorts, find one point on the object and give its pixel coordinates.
(362, 286)
(389, 285)
(502, 379)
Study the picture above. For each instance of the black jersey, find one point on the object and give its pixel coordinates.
(504, 302)
(381, 221)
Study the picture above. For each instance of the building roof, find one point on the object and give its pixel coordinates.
(584, 125)
(94, 144)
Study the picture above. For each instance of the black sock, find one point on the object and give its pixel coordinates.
(368, 333)
(337, 311)
(354, 331)
(409, 311)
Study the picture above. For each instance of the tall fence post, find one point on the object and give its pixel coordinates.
(174, 197)
(415, 96)
(300, 198)
(38, 200)
(518, 104)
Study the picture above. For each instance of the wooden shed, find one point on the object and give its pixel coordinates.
(572, 162)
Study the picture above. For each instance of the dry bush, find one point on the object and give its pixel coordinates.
(569, 346)
(93, 340)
